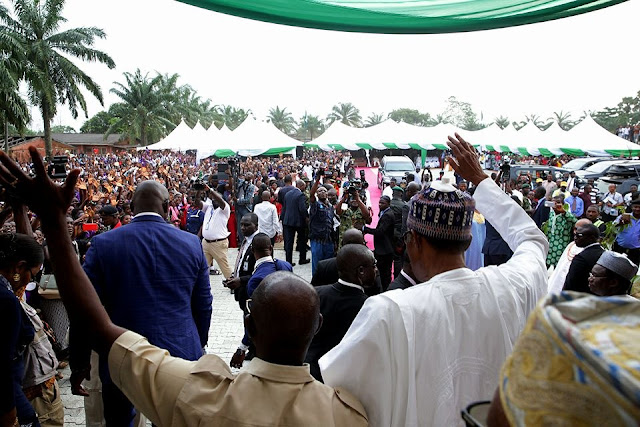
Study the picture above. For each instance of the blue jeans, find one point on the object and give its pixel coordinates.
(319, 251)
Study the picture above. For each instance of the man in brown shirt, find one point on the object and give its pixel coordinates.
(284, 315)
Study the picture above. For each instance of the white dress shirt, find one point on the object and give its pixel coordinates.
(215, 222)
(414, 357)
(268, 222)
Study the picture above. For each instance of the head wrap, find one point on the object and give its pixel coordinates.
(441, 212)
(618, 263)
(576, 363)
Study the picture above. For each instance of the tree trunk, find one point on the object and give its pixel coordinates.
(46, 118)
(6, 133)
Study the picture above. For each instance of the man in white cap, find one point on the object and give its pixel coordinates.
(414, 357)
(612, 275)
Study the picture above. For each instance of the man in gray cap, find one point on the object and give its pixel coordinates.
(612, 275)
(416, 356)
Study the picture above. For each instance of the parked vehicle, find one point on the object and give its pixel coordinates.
(394, 167)
(597, 170)
(537, 171)
(582, 163)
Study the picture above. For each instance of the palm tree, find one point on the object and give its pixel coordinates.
(502, 122)
(230, 116)
(346, 113)
(563, 119)
(143, 112)
(535, 119)
(374, 119)
(310, 126)
(51, 76)
(15, 111)
(282, 119)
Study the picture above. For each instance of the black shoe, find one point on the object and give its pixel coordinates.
(293, 264)
(304, 261)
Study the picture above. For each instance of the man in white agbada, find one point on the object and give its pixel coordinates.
(415, 357)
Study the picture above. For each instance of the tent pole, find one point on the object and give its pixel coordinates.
(423, 156)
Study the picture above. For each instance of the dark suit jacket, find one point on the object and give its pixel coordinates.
(327, 273)
(578, 276)
(383, 234)
(541, 214)
(281, 194)
(400, 282)
(153, 279)
(295, 211)
(339, 305)
(245, 270)
(494, 244)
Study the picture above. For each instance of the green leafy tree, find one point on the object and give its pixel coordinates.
(412, 117)
(562, 119)
(536, 120)
(310, 126)
(346, 113)
(142, 113)
(374, 119)
(99, 123)
(461, 114)
(230, 116)
(51, 75)
(502, 122)
(282, 119)
(62, 129)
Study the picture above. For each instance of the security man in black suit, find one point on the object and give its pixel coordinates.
(245, 262)
(295, 219)
(383, 240)
(341, 301)
(327, 269)
(586, 236)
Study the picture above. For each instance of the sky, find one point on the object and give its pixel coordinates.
(585, 62)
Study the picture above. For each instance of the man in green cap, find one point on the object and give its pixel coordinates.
(526, 201)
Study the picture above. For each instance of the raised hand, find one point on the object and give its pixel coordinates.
(465, 160)
(45, 197)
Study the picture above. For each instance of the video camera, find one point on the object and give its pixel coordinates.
(58, 167)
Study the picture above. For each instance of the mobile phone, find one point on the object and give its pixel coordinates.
(549, 203)
(89, 227)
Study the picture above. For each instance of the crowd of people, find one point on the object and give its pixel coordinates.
(449, 306)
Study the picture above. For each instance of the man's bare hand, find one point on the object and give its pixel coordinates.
(465, 160)
(45, 197)
(233, 284)
(76, 382)
(238, 359)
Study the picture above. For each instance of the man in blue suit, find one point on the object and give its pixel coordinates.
(153, 279)
(294, 219)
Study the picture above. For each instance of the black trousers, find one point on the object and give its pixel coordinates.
(289, 234)
(632, 254)
(384, 267)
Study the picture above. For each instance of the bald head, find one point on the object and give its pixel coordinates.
(353, 236)
(284, 317)
(266, 195)
(411, 190)
(150, 196)
(301, 185)
(356, 264)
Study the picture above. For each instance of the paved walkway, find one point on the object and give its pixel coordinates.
(224, 335)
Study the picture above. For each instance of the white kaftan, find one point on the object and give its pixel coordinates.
(416, 357)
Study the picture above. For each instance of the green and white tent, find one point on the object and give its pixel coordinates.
(403, 16)
(586, 138)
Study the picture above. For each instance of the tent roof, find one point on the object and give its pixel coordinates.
(403, 16)
(175, 140)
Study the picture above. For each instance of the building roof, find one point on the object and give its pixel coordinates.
(86, 138)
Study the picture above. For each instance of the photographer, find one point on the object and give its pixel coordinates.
(244, 191)
(320, 223)
(214, 230)
(353, 213)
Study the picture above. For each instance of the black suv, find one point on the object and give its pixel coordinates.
(394, 167)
